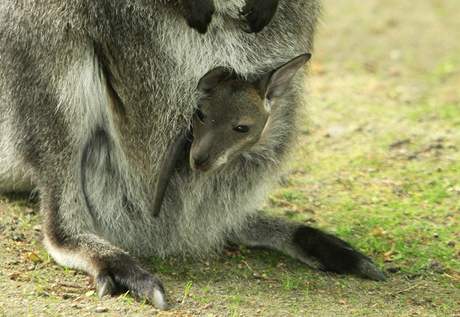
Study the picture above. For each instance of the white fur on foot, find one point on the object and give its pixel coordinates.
(68, 258)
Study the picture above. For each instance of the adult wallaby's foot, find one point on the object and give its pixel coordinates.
(333, 254)
(129, 276)
(309, 245)
(198, 13)
(114, 271)
(258, 14)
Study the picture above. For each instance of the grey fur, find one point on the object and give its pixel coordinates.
(71, 68)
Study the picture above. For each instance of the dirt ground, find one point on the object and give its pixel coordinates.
(378, 164)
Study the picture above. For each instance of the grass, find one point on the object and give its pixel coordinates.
(378, 164)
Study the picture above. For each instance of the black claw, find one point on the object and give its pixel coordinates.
(245, 12)
(106, 286)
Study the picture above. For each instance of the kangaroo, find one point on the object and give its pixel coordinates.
(256, 14)
(93, 92)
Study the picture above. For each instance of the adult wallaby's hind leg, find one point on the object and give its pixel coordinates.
(198, 13)
(113, 269)
(311, 246)
(259, 13)
(71, 237)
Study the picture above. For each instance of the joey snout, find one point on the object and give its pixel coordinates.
(206, 154)
(200, 161)
(200, 153)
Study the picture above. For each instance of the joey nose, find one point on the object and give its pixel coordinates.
(201, 160)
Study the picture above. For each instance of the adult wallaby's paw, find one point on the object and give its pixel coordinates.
(149, 288)
(258, 13)
(140, 283)
(198, 13)
(334, 254)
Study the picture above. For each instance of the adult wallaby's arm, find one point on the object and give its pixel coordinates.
(198, 13)
(169, 161)
(256, 14)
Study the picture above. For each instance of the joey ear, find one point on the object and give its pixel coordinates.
(212, 78)
(275, 83)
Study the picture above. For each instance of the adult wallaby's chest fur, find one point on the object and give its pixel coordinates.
(129, 69)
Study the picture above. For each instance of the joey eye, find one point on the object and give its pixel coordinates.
(200, 115)
(241, 129)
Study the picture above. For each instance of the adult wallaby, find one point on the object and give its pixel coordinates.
(111, 84)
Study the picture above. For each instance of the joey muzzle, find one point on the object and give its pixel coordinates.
(200, 153)
(200, 161)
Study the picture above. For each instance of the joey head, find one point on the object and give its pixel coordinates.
(234, 113)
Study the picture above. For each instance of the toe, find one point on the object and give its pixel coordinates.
(105, 286)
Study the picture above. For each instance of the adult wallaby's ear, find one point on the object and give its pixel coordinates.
(275, 83)
(212, 78)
